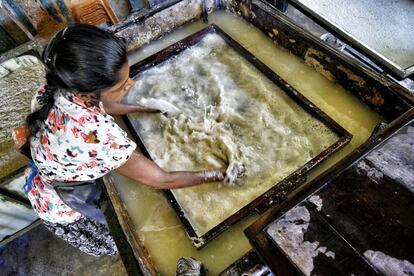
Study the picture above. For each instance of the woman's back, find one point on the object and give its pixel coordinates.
(77, 142)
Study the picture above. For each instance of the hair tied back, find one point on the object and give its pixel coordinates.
(49, 49)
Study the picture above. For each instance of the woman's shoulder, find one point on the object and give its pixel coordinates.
(77, 111)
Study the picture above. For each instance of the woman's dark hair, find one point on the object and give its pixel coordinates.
(80, 58)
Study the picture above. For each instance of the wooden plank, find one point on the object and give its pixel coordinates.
(12, 29)
(6, 42)
(18, 15)
(135, 256)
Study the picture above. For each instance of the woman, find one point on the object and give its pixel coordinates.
(73, 142)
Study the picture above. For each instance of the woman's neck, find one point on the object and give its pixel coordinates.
(91, 101)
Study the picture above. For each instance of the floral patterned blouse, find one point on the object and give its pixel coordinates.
(76, 143)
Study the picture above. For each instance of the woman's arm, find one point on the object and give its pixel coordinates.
(147, 172)
(122, 109)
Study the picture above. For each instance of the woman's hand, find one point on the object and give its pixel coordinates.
(234, 172)
(147, 172)
(140, 108)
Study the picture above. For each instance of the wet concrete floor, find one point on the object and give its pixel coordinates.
(39, 252)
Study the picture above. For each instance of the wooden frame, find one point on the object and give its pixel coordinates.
(133, 253)
(279, 191)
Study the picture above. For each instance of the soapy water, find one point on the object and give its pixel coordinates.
(223, 113)
(234, 170)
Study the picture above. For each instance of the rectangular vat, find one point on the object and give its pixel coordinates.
(291, 179)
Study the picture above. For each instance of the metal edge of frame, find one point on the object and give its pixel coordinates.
(142, 14)
(19, 233)
(375, 82)
(393, 68)
(133, 253)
